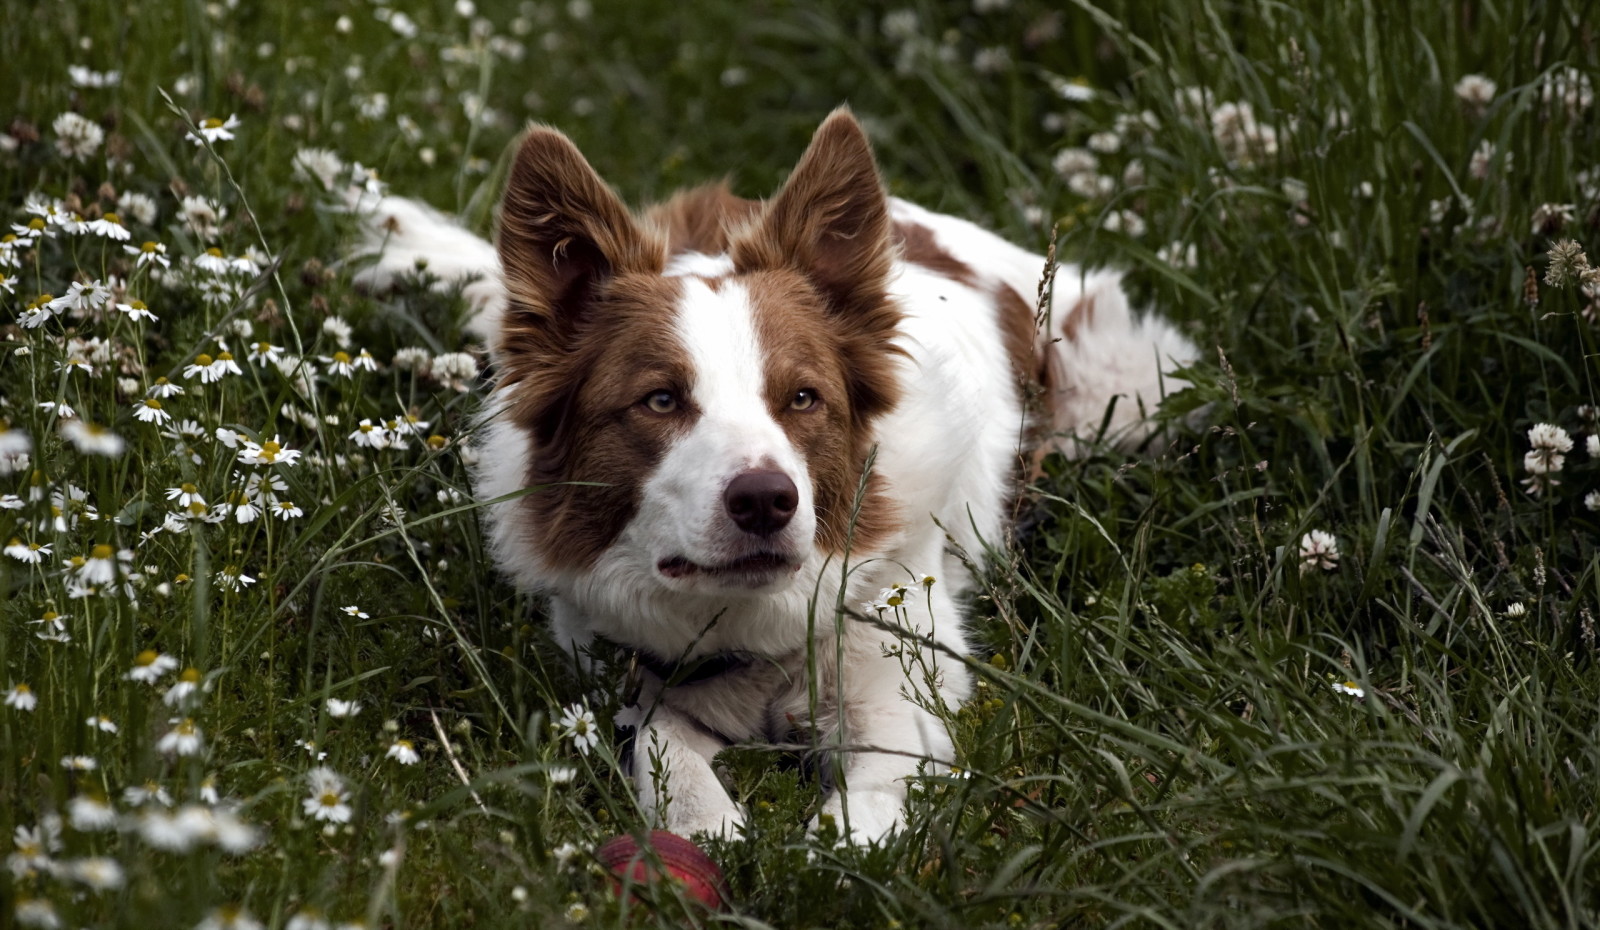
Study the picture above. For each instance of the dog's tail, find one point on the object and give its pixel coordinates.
(1106, 368)
(405, 236)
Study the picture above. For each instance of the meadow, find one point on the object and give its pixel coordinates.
(1326, 658)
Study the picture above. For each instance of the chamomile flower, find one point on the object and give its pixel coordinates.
(188, 497)
(339, 708)
(1350, 688)
(212, 261)
(577, 722)
(214, 130)
(264, 352)
(285, 510)
(187, 685)
(149, 410)
(101, 723)
(30, 553)
(150, 791)
(1318, 550)
(150, 665)
(403, 752)
(169, 831)
(232, 834)
(148, 252)
(338, 330)
(87, 813)
(329, 801)
(33, 847)
(161, 389)
(110, 226)
(203, 217)
(99, 567)
(184, 739)
(364, 361)
(232, 578)
(370, 435)
(351, 610)
(21, 697)
(80, 763)
(98, 873)
(270, 452)
(36, 912)
(339, 364)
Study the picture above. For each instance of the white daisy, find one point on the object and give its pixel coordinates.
(403, 752)
(214, 130)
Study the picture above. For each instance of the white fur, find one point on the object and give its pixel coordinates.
(947, 455)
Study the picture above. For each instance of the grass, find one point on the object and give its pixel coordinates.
(1157, 740)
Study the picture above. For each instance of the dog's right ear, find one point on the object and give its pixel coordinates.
(562, 232)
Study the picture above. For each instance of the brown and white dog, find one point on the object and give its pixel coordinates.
(745, 420)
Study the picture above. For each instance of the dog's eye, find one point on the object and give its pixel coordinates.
(804, 399)
(661, 401)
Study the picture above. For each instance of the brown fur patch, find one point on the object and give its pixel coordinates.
(818, 261)
(700, 219)
(918, 246)
(804, 351)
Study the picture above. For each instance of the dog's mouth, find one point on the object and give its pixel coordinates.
(760, 568)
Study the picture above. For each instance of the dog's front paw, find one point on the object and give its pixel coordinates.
(873, 815)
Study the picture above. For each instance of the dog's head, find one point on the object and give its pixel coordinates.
(706, 418)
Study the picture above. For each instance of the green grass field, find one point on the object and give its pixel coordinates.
(1192, 713)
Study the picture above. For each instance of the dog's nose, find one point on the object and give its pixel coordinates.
(761, 502)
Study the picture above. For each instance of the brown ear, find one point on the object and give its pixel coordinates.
(830, 221)
(562, 231)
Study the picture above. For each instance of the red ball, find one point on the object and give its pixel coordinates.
(683, 861)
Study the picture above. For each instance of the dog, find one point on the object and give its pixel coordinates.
(766, 440)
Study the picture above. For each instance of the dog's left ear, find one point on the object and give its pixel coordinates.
(830, 222)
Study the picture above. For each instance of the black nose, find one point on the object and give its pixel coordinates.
(761, 502)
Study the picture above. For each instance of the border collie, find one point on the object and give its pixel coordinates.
(766, 440)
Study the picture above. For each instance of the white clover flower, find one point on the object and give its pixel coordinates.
(138, 206)
(150, 665)
(338, 708)
(1318, 549)
(412, 358)
(578, 723)
(21, 697)
(403, 752)
(1071, 162)
(455, 369)
(76, 137)
(214, 130)
(1591, 501)
(1475, 90)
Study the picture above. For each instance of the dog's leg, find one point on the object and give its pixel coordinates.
(887, 724)
(672, 773)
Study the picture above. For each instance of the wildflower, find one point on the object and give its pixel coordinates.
(92, 439)
(318, 164)
(202, 216)
(217, 292)
(231, 833)
(370, 435)
(578, 723)
(172, 832)
(308, 919)
(339, 364)
(1571, 87)
(33, 848)
(84, 77)
(1318, 550)
(110, 226)
(184, 739)
(98, 568)
(214, 130)
(21, 697)
(455, 369)
(103, 724)
(1126, 222)
(82, 297)
(1550, 218)
(212, 261)
(286, 510)
(329, 801)
(208, 789)
(150, 665)
(270, 452)
(231, 578)
(561, 774)
(403, 752)
(206, 368)
(87, 813)
(337, 329)
(55, 631)
(1071, 162)
(352, 610)
(264, 352)
(31, 553)
(412, 358)
(338, 708)
(1550, 443)
(148, 410)
(99, 873)
(1350, 688)
(145, 793)
(187, 684)
(139, 206)
(1591, 501)
(1475, 90)
(36, 912)
(161, 388)
(79, 763)
(76, 137)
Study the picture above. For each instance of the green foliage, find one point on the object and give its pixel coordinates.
(1184, 718)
